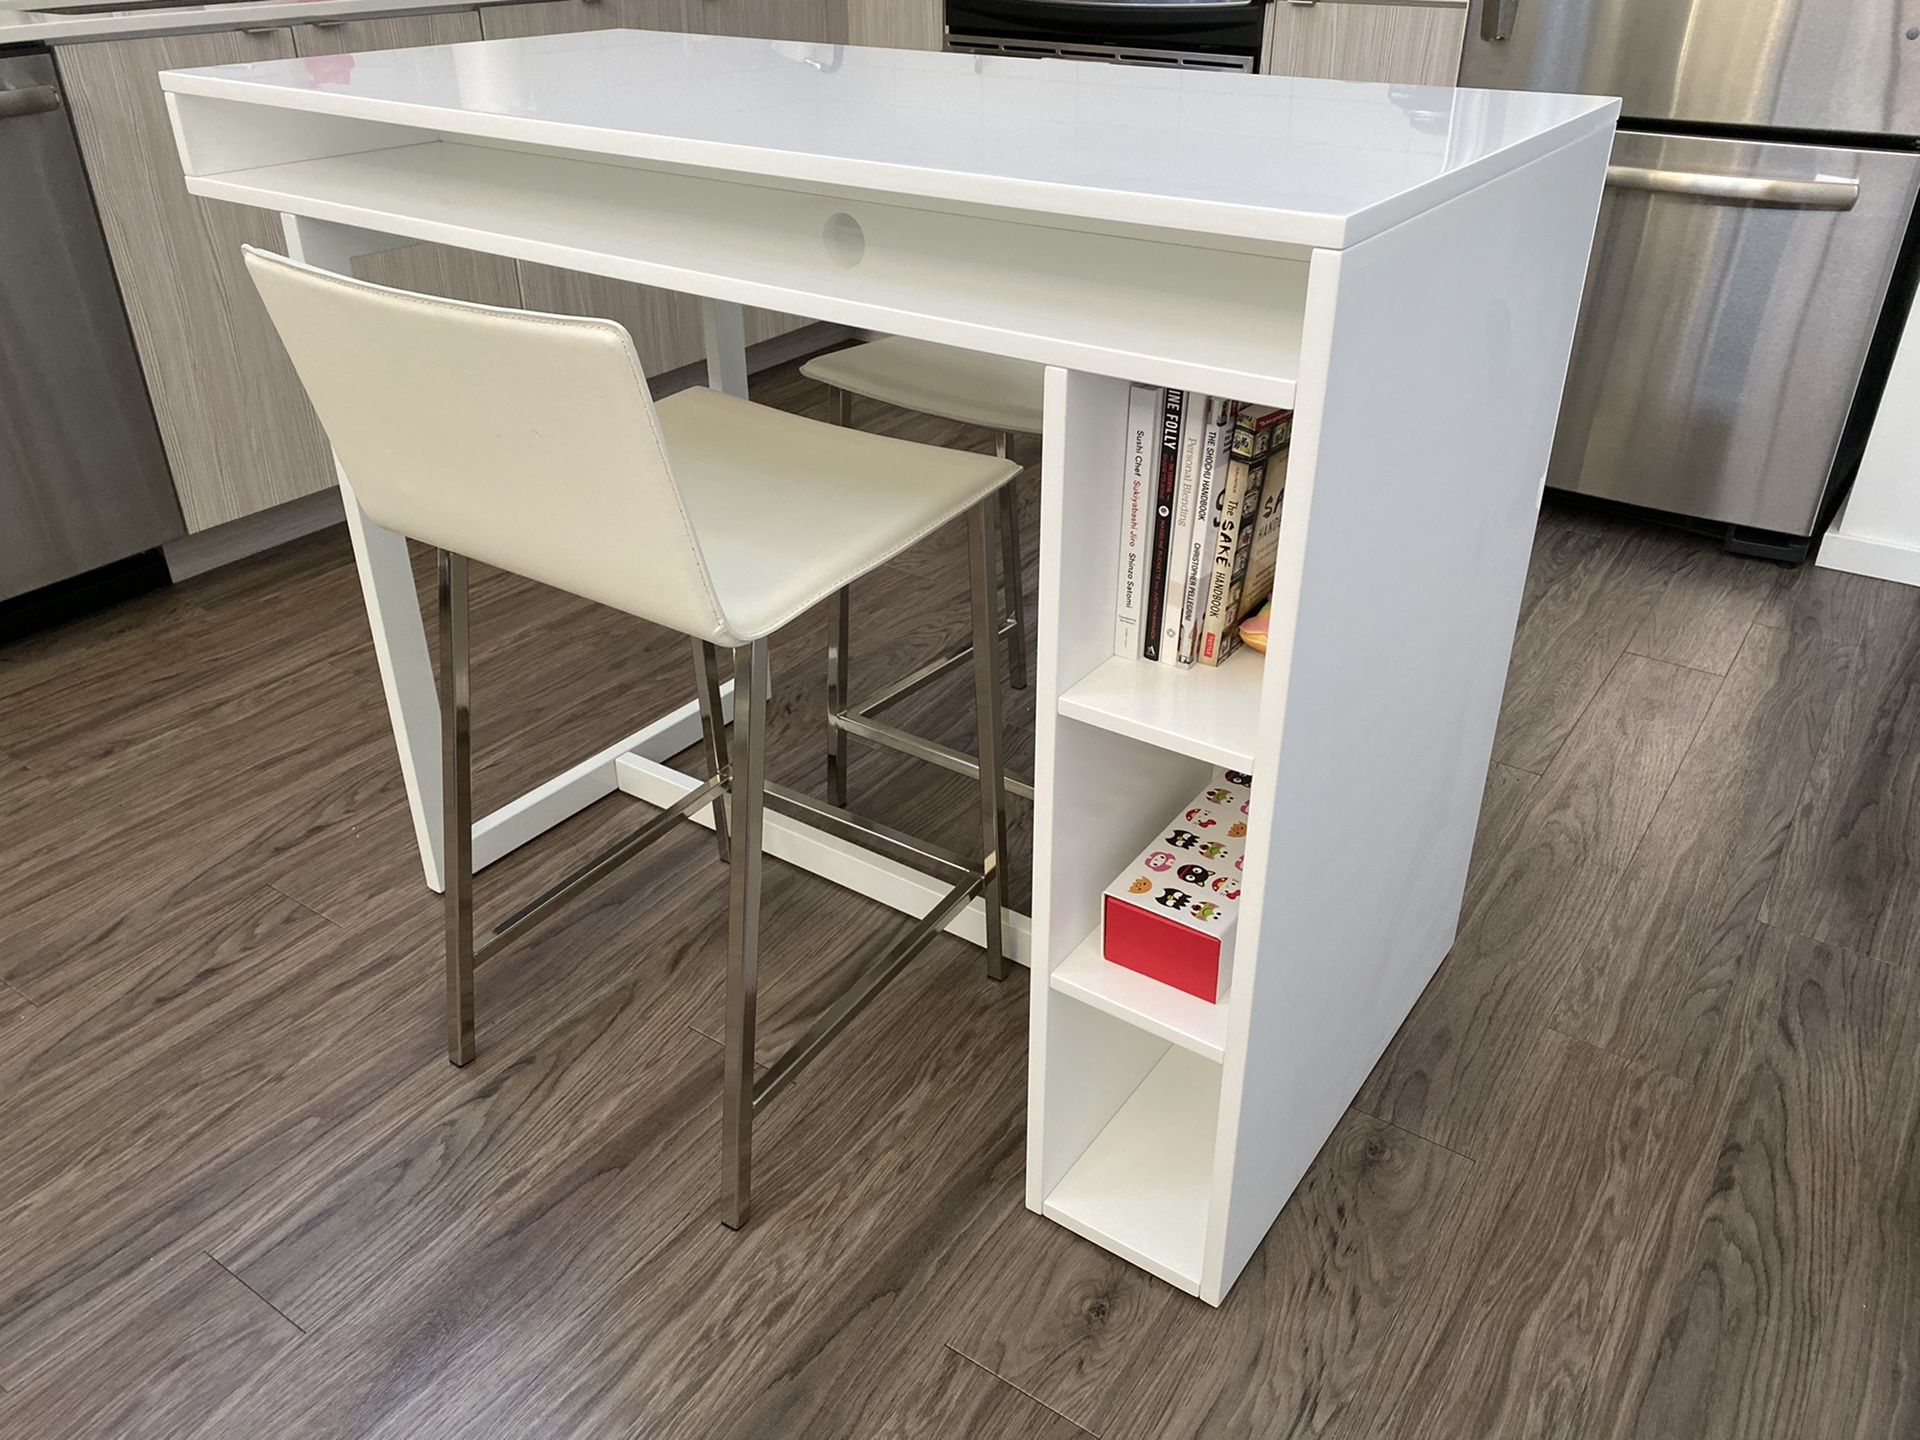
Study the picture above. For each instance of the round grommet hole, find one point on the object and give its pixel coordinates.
(846, 241)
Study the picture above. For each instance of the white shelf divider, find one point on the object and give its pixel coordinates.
(1143, 1187)
(1208, 712)
(1161, 1010)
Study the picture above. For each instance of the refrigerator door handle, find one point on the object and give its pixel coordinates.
(1749, 189)
(1496, 19)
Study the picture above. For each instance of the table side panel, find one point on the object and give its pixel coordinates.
(1433, 368)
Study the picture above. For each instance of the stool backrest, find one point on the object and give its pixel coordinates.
(523, 440)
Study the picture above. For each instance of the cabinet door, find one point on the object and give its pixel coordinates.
(820, 22)
(1367, 40)
(897, 24)
(665, 325)
(429, 269)
(239, 433)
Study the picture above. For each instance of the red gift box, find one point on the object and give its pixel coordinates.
(1170, 915)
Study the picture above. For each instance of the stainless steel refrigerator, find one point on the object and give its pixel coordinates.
(1755, 253)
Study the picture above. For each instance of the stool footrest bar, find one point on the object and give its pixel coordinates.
(595, 870)
(896, 845)
(919, 679)
(932, 751)
(797, 1055)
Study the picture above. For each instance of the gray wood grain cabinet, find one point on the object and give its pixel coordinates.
(430, 269)
(239, 433)
(897, 24)
(819, 21)
(665, 325)
(1386, 40)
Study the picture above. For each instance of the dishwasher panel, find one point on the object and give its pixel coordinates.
(83, 479)
(1733, 291)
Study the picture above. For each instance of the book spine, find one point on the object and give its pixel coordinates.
(1136, 518)
(1165, 484)
(1217, 621)
(1260, 436)
(1206, 521)
(1266, 535)
(1174, 597)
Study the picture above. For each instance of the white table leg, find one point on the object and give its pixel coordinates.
(724, 328)
(386, 584)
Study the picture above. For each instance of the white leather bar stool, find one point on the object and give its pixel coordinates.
(992, 392)
(531, 442)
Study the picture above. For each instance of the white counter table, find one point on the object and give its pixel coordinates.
(1401, 265)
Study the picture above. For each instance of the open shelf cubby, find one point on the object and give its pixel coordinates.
(1127, 1125)
(1143, 1187)
(1188, 1021)
(1207, 712)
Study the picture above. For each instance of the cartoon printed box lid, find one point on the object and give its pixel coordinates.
(1191, 872)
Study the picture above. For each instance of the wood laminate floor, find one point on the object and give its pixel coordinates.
(1644, 1162)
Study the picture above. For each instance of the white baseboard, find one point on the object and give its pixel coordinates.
(1878, 559)
(249, 535)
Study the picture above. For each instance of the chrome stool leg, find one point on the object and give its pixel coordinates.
(839, 652)
(713, 730)
(456, 754)
(986, 681)
(839, 697)
(1012, 574)
(748, 786)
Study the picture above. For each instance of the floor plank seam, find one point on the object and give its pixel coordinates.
(1653, 817)
(1573, 725)
(996, 1375)
(295, 900)
(1892, 967)
(255, 1293)
(1395, 1125)
(1696, 669)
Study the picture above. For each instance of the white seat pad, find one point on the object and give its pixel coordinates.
(963, 385)
(788, 510)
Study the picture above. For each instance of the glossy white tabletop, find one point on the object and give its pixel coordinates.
(1268, 157)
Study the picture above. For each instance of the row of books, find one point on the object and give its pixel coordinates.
(1201, 523)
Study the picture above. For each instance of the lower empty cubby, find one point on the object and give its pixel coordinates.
(1130, 1139)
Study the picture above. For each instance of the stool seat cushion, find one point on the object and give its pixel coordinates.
(964, 385)
(788, 510)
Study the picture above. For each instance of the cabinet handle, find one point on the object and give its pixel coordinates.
(28, 100)
(1753, 190)
(1496, 19)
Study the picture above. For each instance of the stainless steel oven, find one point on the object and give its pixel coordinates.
(1202, 34)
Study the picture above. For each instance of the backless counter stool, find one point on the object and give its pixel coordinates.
(532, 443)
(990, 391)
